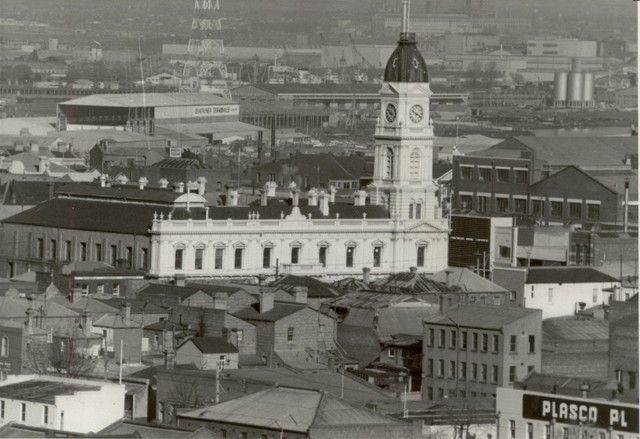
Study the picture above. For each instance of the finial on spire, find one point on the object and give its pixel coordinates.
(405, 16)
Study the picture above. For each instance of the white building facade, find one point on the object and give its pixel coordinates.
(400, 228)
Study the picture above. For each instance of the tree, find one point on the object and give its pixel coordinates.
(63, 356)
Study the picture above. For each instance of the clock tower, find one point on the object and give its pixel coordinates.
(404, 134)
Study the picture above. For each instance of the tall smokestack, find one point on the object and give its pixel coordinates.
(405, 16)
(273, 138)
(626, 206)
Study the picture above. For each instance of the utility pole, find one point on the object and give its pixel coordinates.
(217, 385)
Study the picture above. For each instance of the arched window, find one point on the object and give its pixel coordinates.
(4, 347)
(414, 165)
(389, 164)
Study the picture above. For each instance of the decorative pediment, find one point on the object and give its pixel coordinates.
(419, 88)
(425, 226)
(388, 89)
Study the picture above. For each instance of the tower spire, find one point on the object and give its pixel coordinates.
(405, 16)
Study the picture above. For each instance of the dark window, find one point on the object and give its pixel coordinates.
(440, 368)
(513, 343)
(421, 252)
(219, 258)
(40, 248)
(593, 211)
(474, 372)
(377, 252)
(474, 341)
(496, 344)
(53, 249)
(502, 175)
(485, 342)
(322, 256)
(430, 337)
(537, 207)
(411, 211)
(521, 176)
(179, 253)
(505, 252)
(429, 367)
(418, 211)
(632, 380)
(502, 204)
(453, 339)
(67, 250)
(466, 172)
(199, 258)
(483, 373)
(484, 174)
(512, 374)
(114, 255)
(23, 411)
(575, 210)
(349, 261)
(237, 258)
(556, 208)
(532, 344)
(145, 258)
(290, 333)
(45, 414)
(466, 202)
(441, 338)
(463, 370)
(520, 205)
(530, 430)
(512, 429)
(295, 255)
(83, 251)
(494, 374)
(483, 203)
(98, 252)
(1, 409)
(266, 257)
(129, 256)
(452, 369)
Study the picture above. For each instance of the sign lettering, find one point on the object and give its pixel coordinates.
(571, 411)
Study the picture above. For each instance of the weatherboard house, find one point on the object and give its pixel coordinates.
(393, 226)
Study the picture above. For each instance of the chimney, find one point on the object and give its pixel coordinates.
(30, 322)
(264, 198)
(295, 196)
(617, 293)
(301, 294)
(125, 313)
(232, 197)
(360, 198)
(625, 220)
(514, 246)
(51, 190)
(449, 274)
(76, 294)
(35, 147)
(164, 183)
(42, 164)
(323, 200)
(202, 185)
(332, 194)
(366, 275)
(267, 297)
(142, 182)
(220, 300)
(87, 324)
(180, 280)
(584, 389)
(178, 187)
(413, 269)
(103, 180)
(270, 187)
(405, 16)
(312, 196)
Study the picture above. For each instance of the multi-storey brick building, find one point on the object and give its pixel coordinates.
(471, 350)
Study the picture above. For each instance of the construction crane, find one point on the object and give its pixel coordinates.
(363, 60)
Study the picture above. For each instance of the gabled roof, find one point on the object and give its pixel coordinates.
(26, 193)
(568, 275)
(211, 345)
(165, 325)
(137, 306)
(289, 409)
(481, 316)
(279, 311)
(466, 280)
(317, 288)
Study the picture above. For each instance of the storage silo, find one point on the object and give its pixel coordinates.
(560, 89)
(587, 89)
(574, 89)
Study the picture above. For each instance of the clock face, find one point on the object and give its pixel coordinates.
(390, 113)
(416, 113)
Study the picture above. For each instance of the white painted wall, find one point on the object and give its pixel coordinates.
(188, 353)
(562, 301)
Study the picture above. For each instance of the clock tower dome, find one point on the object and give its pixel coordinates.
(404, 134)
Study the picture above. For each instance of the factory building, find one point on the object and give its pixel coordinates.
(574, 89)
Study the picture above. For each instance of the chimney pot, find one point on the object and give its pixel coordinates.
(264, 197)
(220, 300)
(180, 280)
(413, 269)
(301, 294)
(366, 275)
(126, 313)
(449, 274)
(267, 297)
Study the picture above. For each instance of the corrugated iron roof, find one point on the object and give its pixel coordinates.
(568, 275)
(42, 391)
(279, 311)
(211, 345)
(481, 316)
(127, 100)
(574, 329)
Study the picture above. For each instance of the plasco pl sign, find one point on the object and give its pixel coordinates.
(573, 411)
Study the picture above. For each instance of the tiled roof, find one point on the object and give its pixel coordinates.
(568, 275)
(317, 288)
(279, 311)
(42, 391)
(126, 100)
(480, 316)
(211, 345)
(89, 215)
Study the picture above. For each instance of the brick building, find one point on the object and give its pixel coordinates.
(471, 350)
(623, 345)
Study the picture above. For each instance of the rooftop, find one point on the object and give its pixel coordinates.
(316, 288)
(127, 100)
(148, 195)
(572, 329)
(42, 391)
(211, 345)
(279, 311)
(481, 316)
(569, 275)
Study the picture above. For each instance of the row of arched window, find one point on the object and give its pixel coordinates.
(414, 164)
